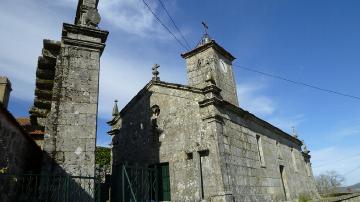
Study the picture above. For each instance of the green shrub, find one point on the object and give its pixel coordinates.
(304, 198)
(102, 156)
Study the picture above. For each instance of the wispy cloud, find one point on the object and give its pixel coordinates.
(129, 16)
(339, 159)
(286, 122)
(251, 98)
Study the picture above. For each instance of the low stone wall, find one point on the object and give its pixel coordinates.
(355, 197)
(18, 152)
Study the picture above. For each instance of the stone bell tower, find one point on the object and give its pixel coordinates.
(210, 60)
(70, 125)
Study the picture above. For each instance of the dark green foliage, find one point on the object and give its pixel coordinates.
(102, 156)
(304, 198)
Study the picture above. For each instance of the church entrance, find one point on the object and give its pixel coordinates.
(135, 183)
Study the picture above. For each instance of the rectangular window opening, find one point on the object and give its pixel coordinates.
(189, 156)
(202, 155)
(261, 152)
(294, 159)
(283, 182)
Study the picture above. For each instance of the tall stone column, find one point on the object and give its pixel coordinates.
(70, 132)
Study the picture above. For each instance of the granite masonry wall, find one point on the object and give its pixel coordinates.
(146, 138)
(210, 62)
(19, 154)
(213, 151)
(252, 155)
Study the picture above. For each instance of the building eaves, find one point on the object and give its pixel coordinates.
(145, 90)
(261, 122)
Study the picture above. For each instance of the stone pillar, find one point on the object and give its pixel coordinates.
(5, 89)
(70, 132)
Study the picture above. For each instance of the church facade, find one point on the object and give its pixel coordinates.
(209, 147)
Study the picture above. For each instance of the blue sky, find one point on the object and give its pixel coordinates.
(316, 42)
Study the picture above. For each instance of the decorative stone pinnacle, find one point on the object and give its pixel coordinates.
(305, 149)
(294, 134)
(87, 13)
(155, 72)
(115, 111)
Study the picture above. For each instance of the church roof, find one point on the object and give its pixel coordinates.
(205, 44)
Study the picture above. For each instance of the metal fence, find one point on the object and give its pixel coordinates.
(136, 184)
(48, 188)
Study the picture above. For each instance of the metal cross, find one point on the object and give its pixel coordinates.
(205, 27)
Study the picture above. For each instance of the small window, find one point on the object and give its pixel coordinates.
(189, 156)
(260, 148)
(294, 159)
(308, 168)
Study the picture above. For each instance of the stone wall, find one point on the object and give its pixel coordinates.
(213, 148)
(252, 156)
(147, 139)
(5, 89)
(70, 132)
(212, 60)
(19, 154)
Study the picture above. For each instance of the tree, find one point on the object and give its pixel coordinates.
(329, 182)
(102, 156)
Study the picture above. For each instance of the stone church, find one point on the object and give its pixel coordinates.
(209, 147)
(192, 142)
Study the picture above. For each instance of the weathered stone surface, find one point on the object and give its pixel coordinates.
(70, 132)
(5, 89)
(216, 151)
(19, 154)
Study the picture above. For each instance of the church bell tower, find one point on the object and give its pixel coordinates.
(210, 60)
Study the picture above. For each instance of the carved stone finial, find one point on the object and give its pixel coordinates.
(115, 110)
(155, 72)
(87, 13)
(294, 133)
(305, 149)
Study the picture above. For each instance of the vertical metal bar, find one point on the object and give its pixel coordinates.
(67, 188)
(123, 182)
(156, 183)
(98, 191)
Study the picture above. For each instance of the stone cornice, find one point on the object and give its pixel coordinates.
(210, 101)
(176, 86)
(247, 115)
(145, 90)
(217, 118)
(113, 121)
(113, 131)
(212, 44)
(86, 31)
(87, 44)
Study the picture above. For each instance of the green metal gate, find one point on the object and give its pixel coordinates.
(48, 188)
(136, 184)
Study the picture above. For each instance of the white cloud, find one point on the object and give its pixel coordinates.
(129, 16)
(251, 99)
(339, 159)
(21, 39)
(347, 131)
(286, 123)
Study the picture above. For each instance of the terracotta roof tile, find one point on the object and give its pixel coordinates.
(26, 124)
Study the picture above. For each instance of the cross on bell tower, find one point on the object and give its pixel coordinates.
(209, 58)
